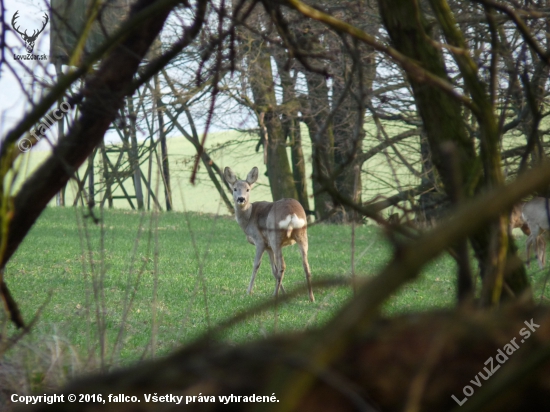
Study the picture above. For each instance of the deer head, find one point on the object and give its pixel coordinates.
(241, 188)
(29, 40)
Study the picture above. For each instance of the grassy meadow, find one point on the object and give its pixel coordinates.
(146, 283)
(142, 283)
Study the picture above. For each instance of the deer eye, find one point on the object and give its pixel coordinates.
(248, 190)
(234, 189)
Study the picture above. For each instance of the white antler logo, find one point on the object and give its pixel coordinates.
(29, 40)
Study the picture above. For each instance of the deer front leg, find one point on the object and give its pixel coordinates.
(257, 262)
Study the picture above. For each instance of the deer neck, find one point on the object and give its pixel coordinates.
(243, 215)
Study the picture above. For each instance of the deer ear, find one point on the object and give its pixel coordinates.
(229, 176)
(252, 176)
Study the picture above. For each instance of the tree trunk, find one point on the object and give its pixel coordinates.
(291, 127)
(164, 165)
(315, 110)
(348, 137)
(134, 155)
(261, 80)
(433, 203)
(106, 178)
(298, 164)
(91, 180)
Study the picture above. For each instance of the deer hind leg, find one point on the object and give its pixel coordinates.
(532, 240)
(528, 250)
(303, 246)
(541, 250)
(274, 270)
(280, 267)
(257, 263)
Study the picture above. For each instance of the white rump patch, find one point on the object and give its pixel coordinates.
(291, 222)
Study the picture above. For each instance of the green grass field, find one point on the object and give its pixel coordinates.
(203, 269)
(140, 285)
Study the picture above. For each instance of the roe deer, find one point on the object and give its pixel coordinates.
(269, 226)
(516, 219)
(536, 213)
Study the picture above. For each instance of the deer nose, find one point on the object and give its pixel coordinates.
(240, 199)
